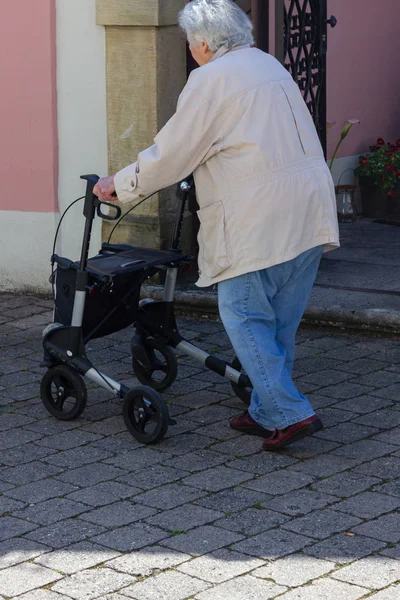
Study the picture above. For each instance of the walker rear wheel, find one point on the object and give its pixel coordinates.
(244, 393)
(145, 414)
(63, 393)
(160, 367)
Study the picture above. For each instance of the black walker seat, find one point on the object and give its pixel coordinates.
(115, 278)
(99, 296)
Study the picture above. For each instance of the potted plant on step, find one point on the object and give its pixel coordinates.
(379, 173)
(346, 209)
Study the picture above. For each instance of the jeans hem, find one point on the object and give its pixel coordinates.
(283, 425)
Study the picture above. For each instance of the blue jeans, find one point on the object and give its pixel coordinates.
(261, 312)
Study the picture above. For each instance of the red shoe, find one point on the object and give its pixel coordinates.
(246, 424)
(280, 438)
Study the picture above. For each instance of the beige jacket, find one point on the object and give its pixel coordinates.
(263, 187)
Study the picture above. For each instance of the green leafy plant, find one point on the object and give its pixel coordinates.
(382, 166)
(343, 134)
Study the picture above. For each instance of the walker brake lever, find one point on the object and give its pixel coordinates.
(109, 217)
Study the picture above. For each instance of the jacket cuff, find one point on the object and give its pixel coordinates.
(126, 182)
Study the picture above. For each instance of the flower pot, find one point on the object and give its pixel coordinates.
(393, 205)
(346, 208)
(375, 203)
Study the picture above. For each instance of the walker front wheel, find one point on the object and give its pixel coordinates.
(145, 414)
(63, 392)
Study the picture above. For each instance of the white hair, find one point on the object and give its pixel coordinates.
(219, 23)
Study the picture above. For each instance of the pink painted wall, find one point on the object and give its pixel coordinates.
(363, 73)
(28, 125)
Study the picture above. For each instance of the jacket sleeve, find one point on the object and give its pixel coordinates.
(178, 148)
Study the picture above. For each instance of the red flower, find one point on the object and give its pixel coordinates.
(380, 142)
(388, 167)
(388, 153)
(392, 193)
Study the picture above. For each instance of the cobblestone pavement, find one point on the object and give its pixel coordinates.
(86, 512)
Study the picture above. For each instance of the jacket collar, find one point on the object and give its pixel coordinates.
(223, 51)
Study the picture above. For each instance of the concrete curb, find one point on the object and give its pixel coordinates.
(371, 319)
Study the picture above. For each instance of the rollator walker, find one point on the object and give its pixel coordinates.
(99, 296)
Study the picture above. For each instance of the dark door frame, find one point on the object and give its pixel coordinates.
(260, 17)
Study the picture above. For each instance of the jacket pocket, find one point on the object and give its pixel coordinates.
(294, 117)
(214, 248)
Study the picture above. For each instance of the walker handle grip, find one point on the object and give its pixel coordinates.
(91, 178)
(91, 201)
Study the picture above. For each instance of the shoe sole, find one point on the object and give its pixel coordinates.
(253, 431)
(305, 432)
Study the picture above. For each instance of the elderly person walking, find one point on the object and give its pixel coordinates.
(266, 199)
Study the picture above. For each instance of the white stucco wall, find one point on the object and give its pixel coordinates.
(82, 120)
(26, 243)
